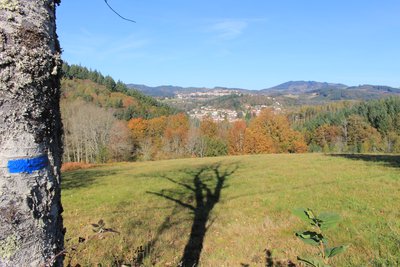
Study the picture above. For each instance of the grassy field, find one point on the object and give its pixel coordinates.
(232, 211)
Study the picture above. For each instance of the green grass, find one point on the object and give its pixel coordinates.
(149, 204)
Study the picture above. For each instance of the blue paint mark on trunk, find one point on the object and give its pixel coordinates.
(27, 165)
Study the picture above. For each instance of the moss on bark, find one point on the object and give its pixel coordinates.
(8, 247)
(10, 5)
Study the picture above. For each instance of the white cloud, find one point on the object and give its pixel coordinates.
(229, 29)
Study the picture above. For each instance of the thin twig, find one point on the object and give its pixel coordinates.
(50, 262)
(106, 1)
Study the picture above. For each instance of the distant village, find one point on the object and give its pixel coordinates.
(207, 94)
(218, 114)
(229, 114)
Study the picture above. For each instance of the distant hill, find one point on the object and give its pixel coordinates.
(172, 91)
(298, 87)
(159, 91)
(362, 92)
(375, 88)
(329, 94)
(291, 87)
(290, 93)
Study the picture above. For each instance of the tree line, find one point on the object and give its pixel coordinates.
(356, 127)
(93, 134)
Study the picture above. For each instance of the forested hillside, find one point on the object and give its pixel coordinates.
(103, 91)
(95, 110)
(240, 102)
(370, 126)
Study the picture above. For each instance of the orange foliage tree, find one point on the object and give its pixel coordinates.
(176, 135)
(161, 137)
(327, 136)
(257, 142)
(270, 126)
(236, 137)
(138, 127)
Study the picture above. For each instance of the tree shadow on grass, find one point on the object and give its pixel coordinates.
(198, 194)
(146, 250)
(270, 261)
(82, 178)
(387, 160)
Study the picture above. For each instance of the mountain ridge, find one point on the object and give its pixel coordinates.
(290, 87)
(303, 86)
(171, 90)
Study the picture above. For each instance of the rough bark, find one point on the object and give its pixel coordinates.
(31, 231)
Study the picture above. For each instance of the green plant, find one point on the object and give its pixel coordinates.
(316, 237)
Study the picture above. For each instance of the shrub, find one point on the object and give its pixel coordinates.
(71, 166)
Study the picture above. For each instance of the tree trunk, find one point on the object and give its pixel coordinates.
(31, 232)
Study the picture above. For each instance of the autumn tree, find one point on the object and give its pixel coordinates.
(176, 135)
(257, 142)
(31, 229)
(211, 143)
(138, 128)
(148, 136)
(392, 142)
(270, 127)
(237, 137)
(208, 127)
(361, 136)
(120, 145)
(297, 143)
(376, 128)
(328, 136)
(154, 133)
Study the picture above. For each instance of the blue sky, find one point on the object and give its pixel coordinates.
(252, 44)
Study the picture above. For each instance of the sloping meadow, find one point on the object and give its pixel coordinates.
(231, 211)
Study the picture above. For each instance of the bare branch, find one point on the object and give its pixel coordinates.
(106, 1)
(179, 183)
(179, 202)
